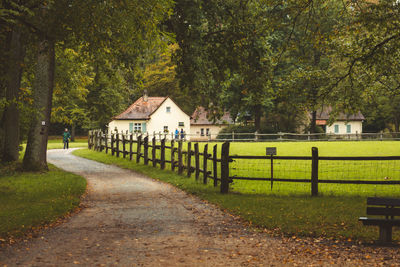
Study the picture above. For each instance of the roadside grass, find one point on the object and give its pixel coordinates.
(286, 211)
(57, 143)
(29, 200)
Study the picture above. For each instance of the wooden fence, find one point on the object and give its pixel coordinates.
(141, 148)
(315, 161)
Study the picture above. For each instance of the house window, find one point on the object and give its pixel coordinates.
(336, 128)
(165, 129)
(348, 128)
(131, 127)
(137, 127)
(207, 131)
(202, 131)
(181, 124)
(168, 109)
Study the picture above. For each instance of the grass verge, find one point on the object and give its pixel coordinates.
(291, 214)
(29, 200)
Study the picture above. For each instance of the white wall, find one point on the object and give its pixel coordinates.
(356, 127)
(122, 125)
(195, 131)
(161, 118)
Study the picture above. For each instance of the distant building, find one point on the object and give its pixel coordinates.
(343, 124)
(202, 128)
(151, 114)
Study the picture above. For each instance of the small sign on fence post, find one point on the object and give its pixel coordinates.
(271, 151)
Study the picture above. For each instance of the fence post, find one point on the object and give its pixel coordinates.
(205, 158)
(180, 165)
(100, 141)
(138, 148)
(106, 141)
(112, 144)
(88, 139)
(197, 160)
(189, 159)
(130, 146)
(314, 172)
(215, 164)
(153, 151)
(123, 145)
(146, 150)
(95, 141)
(117, 144)
(162, 159)
(225, 168)
(172, 154)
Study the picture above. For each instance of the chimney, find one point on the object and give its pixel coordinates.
(145, 97)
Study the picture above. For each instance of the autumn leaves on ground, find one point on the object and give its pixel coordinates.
(131, 220)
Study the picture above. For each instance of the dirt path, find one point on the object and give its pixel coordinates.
(131, 220)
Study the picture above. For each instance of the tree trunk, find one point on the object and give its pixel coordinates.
(257, 117)
(313, 123)
(73, 132)
(11, 112)
(35, 156)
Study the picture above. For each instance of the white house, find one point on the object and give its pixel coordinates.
(151, 114)
(202, 127)
(343, 124)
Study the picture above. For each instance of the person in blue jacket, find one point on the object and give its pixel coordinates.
(176, 134)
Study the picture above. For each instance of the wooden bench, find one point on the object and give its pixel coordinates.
(388, 207)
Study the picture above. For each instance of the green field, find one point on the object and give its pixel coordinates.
(58, 143)
(370, 170)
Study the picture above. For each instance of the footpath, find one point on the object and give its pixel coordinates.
(131, 220)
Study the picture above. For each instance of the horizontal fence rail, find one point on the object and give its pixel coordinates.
(206, 163)
(263, 137)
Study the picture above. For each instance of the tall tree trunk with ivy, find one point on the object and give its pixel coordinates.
(11, 112)
(35, 156)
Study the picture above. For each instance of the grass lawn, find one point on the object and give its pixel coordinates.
(58, 143)
(288, 208)
(29, 200)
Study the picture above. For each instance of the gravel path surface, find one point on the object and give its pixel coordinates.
(132, 220)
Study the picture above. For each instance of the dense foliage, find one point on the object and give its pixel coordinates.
(269, 62)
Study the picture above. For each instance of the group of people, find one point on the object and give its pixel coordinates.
(177, 134)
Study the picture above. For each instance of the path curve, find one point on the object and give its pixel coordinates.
(132, 220)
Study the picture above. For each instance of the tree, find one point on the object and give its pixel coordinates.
(224, 56)
(368, 51)
(116, 28)
(74, 75)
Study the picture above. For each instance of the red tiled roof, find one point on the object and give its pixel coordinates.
(140, 109)
(199, 117)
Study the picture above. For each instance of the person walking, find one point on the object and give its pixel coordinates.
(66, 137)
(182, 134)
(176, 134)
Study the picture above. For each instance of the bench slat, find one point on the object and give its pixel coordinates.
(383, 211)
(383, 201)
(379, 221)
